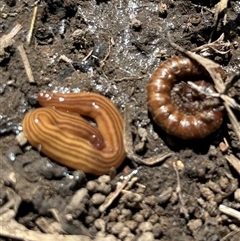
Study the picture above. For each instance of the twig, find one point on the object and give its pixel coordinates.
(14, 230)
(69, 61)
(229, 211)
(225, 238)
(235, 162)
(203, 7)
(7, 40)
(26, 63)
(220, 10)
(102, 62)
(112, 196)
(29, 36)
(183, 208)
(217, 44)
(129, 78)
(210, 66)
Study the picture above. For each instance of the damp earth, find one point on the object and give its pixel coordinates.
(111, 48)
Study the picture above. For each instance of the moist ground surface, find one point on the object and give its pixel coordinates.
(113, 47)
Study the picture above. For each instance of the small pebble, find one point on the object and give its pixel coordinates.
(124, 233)
(145, 227)
(98, 199)
(146, 212)
(237, 195)
(127, 213)
(92, 186)
(165, 195)
(223, 182)
(113, 215)
(130, 237)
(131, 224)
(153, 219)
(104, 179)
(212, 151)
(117, 228)
(100, 224)
(89, 219)
(194, 224)
(148, 236)
(102, 237)
(157, 230)
(135, 24)
(150, 200)
(104, 188)
(138, 217)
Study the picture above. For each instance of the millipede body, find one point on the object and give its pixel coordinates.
(176, 106)
(58, 130)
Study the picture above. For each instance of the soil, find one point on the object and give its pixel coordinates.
(113, 47)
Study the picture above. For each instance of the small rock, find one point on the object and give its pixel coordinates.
(237, 195)
(127, 213)
(104, 179)
(138, 217)
(89, 219)
(98, 199)
(131, 224)
(157, 230)
(124, 233)
(146, 212)
(148, 236)
(92, 186)
(136, 24)
(113, 215)
(100, 224)
(145, 227)
(153, 219)
(165, 196)
(212, 151)
(130, 237)
(150, 200)
(223, 182)
(104, 188)
(109, 237)
(117, 228)
(194, 225)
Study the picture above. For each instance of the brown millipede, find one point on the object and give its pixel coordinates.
(179, 108)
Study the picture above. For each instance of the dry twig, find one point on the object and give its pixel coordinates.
(7, 40)
(235, 162)
(112, 196)
(229, 211)
(183, 208)
(220, 12)
(29, 36)
(13, 230)
(218, 46)
(26, 63)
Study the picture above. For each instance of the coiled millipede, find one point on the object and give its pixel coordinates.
(58, 131)
(178, 108)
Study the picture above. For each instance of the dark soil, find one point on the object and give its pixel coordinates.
(128, 41)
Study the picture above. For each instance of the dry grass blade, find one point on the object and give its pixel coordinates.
(208, 64)
(235, 162)
(220, 9)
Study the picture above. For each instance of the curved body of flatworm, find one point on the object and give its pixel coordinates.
(176, 106)
(59, 131)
